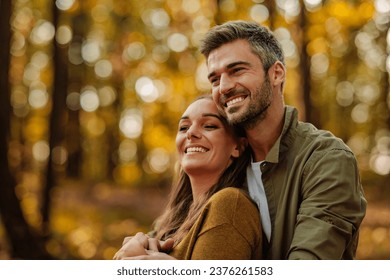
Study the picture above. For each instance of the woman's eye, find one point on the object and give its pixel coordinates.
(183, 128)
(210, 126)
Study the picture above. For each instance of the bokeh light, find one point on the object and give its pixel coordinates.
(90, 51)
(107, 96)
(382, 6)
(345, 93)
(64, 4)
(38, 98)
(127, 151)
(42, 33)
(134, 51)
(158, 160)
(131, 123)
(64, 34)
(159, 18)
(259, 13)
(319, 65)
(360, 113)
(41, 151)
(73, 101)
(89, 100)
(177, 42)
(146, 89)
(103, 69)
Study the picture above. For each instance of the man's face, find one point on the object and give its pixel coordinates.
(240, 88)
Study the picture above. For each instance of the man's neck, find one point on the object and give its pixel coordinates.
(263, 136)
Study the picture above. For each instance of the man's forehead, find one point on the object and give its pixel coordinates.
(230, 49)
(228, 58)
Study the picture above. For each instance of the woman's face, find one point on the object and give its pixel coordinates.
(204, 143)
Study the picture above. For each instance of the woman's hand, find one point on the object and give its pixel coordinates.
(141, 246)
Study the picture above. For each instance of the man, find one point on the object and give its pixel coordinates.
(304, 180)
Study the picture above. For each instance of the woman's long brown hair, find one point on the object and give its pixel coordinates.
(181, 211)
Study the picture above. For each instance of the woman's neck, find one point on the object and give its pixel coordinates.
(202, 184)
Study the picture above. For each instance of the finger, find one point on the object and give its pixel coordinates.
(154, 244)
(151, 256)
(167, 245)
(143, 239)
(126, 239)
(118, 255)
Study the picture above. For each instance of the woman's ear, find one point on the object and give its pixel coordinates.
(242, 143)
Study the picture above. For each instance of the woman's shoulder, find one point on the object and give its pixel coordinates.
(230, 194)
(231, 200)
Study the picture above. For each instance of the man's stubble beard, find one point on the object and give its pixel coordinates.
(257, 110)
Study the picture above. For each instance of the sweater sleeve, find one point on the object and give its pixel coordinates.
(229, 228)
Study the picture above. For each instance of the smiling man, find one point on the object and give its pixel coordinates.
(305, 181)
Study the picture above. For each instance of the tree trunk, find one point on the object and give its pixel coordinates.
(24, 243)
(305, 71)
(57, 119)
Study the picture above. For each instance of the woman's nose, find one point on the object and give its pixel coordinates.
(193, 132)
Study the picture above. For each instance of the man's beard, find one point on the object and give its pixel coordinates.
(257, 111)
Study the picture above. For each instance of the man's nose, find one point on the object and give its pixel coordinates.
(226, 84)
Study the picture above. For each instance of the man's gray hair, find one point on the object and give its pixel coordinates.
(261, 39)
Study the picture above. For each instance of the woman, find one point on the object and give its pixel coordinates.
(205, 213)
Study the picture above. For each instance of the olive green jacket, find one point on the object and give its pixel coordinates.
(315, 198)
(229, 227)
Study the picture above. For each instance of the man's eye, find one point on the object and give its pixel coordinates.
(235, 70)
(214, 81)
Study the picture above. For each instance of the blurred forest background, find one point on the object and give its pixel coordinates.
(91, 93)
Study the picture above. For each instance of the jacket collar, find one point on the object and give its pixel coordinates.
(287, 136)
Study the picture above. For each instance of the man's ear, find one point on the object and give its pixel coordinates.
(277, 74)
(242, 143)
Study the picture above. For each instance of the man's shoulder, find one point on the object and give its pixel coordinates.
(307, 136)
(319, 138)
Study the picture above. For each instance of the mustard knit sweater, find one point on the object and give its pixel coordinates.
(229, 227)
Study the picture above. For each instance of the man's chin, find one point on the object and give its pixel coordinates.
(233, 119)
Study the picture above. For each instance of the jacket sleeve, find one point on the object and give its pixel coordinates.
(332, 208)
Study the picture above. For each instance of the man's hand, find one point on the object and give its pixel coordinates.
(142, 246)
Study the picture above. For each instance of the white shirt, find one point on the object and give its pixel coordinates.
(257, 192)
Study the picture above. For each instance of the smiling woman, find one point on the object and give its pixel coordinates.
(206, 145)
(204, 215)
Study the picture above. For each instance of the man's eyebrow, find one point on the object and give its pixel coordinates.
(229, 66)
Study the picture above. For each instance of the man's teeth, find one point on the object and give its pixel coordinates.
(234, 101)
(196, 150)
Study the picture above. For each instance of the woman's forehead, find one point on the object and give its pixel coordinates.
(201, 107)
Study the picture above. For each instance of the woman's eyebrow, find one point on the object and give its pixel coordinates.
(204, 115)
(213, 115)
